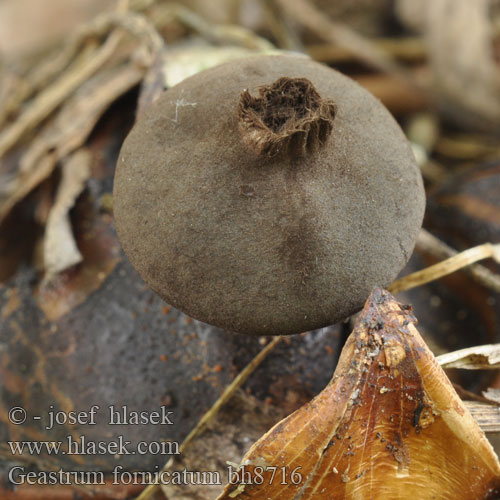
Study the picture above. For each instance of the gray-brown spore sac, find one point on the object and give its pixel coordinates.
(268, 221)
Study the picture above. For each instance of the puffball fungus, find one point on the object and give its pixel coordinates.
(267, 196)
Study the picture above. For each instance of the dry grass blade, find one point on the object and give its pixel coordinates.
(428, 243)
(484, 357)
(212, 412)
(459, 261)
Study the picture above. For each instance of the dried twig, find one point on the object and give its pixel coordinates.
(212, 412)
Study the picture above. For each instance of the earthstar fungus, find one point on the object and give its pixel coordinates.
(268, 195)
(389, 426)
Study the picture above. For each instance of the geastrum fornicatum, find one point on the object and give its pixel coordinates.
(268, 195)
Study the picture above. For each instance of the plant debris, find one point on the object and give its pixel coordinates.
(60, 250)
(484, 357)
(389, 425)
(67, 275)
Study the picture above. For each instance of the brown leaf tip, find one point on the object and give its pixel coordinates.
(388, 426)
(288, 117)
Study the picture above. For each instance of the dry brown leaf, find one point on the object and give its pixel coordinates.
(101, 252)
(59, 246)
(459, 37)
(483, 357)
(388, 426)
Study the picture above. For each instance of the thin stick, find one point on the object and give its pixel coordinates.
(214, 410)
(448, 266)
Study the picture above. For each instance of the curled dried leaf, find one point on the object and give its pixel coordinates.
(59, 246)
(388, 426)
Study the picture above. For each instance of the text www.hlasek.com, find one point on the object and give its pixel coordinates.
(82, 446)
